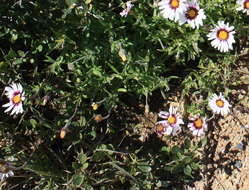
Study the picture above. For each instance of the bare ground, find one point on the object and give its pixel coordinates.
(226, 157)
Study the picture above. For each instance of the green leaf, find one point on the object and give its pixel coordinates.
(11, 54)
(70, 2)
(3, 64)
(33, 122)
(88, 1)
(97, 72)
(98, 156)
(76, 165)
(176, 150)
(78, 180)
(144, 168)
(93, 134)
(85, 166)
(14, 37)
(39, 48)
(165, 149)
(82, 121)
(122, 90)
(203, 142)
(195, 166)
(71, 66)
(188, 170)
(187, 143)
(82, 158)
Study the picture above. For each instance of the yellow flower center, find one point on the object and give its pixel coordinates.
(95, 106)
(3, 167)
(192, 13)
(174, 4)
(172, 119)
(198, 123)
(223, 34)
(220, 103)
(16, 99)
(159, 128)
(246, 4)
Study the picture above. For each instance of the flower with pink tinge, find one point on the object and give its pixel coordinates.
(172, 121)
(193, 14)
(222, 36)
(197, 125)
(219, 104)
(162, 128)
(16, 97)
(5, 170)
(243, 6)
(126, 11)
(171, 9)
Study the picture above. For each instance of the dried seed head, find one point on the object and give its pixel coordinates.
(63, 133)
(98, 118)
(45, 100)
(4, 167)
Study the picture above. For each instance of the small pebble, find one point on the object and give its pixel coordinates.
(240, 97)
(240, 146)
(243, 91)
(246, 126)
(238, 164)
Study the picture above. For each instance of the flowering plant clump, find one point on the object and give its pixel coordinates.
(85, 80)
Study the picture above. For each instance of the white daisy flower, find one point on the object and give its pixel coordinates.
(222, 37)
(243, 6)
(16, 96)
(5, 171)
(171, 9)
(6, 175)
(219, 104)
(193, 15)
(172, 120)
(162, 128)
(198, 125)
(126, 11)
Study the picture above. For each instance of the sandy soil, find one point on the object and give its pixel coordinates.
(226, 157)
